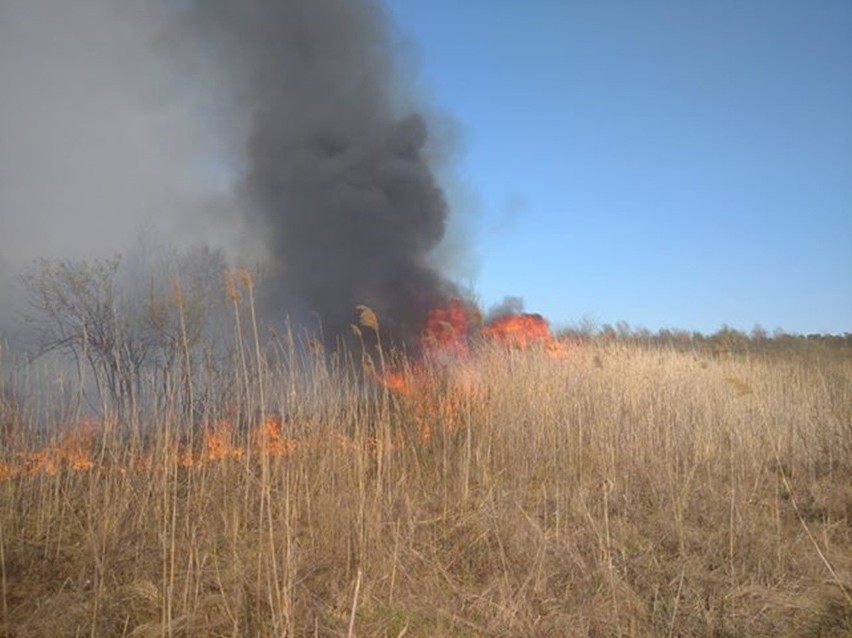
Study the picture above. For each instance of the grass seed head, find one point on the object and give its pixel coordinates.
(231, 286)
(177, 294)
(368, 317)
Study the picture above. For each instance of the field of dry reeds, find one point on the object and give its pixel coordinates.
(618, 490)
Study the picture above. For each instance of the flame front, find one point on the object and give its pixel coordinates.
(433, 402)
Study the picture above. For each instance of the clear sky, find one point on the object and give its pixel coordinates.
(667, 163)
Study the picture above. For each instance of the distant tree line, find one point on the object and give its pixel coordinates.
(725, 341)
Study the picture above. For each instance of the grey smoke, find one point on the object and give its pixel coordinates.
(282, 130)
(99, 135)
(101, 138)
(511, 305)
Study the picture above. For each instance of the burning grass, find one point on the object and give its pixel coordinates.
(613, 491)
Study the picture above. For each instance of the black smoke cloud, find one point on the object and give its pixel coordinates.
(336, 166)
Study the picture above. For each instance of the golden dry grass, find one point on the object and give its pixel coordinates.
(616, 491)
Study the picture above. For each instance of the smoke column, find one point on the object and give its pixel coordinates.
(335, 171)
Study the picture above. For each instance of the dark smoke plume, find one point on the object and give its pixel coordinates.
(336, 171)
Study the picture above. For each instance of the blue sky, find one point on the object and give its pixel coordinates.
(666, 163)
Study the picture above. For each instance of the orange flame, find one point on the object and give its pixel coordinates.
(446, 330)
(216, 445)
(74, 452)
(524, 331)
(396, 382)
(520, 331)
(268, 438)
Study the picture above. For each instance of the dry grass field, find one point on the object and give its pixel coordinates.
(614, 491)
